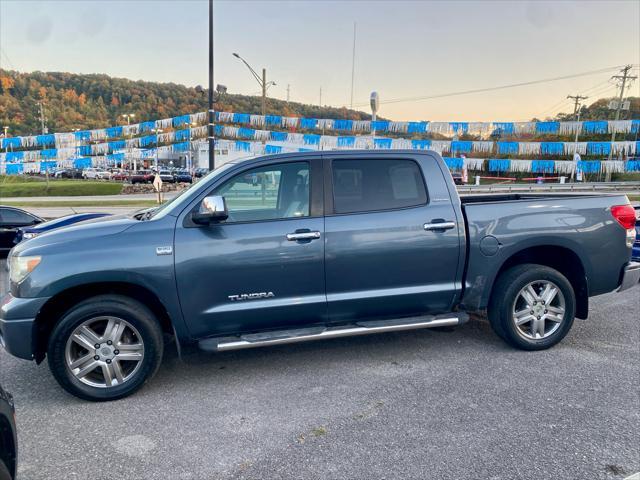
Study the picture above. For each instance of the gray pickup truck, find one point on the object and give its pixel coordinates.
(306, 246)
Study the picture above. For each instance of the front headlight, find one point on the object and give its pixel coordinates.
(28, 235)
(20, 267)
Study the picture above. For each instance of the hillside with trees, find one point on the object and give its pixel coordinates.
(96, 101)
(78, 101)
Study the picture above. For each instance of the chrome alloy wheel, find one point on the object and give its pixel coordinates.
(538, 310)
(104, 351)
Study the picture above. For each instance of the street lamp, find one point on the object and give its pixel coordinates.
(220, 90)
(264, 85)
(156, 131)
(374, 100)
(189, 154)
(129, 116)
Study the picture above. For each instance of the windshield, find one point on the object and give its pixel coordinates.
(183, 197)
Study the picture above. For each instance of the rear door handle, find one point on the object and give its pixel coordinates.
(439, 226)
(296, 236)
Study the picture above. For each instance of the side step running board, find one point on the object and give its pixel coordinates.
(280, 337)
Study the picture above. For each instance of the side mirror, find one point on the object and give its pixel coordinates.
(212, 209)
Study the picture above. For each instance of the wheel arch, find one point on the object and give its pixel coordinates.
(56, 306)
(564, 260)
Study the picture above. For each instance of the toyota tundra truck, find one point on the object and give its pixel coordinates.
(306, 246)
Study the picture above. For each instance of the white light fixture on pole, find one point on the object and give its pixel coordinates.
(375, 104)
(129, 116)
(189, 152)
(157, 131)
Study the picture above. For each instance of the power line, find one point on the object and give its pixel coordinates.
(490, 89)
(593, 91)
(555, 107)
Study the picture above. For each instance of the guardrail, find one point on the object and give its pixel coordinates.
(552, 187)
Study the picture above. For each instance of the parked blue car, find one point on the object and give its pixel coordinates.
(26, 233)
(635, 252)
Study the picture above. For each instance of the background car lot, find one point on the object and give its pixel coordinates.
(424, 404)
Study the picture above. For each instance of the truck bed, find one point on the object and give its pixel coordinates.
(574, 228)
(515, 197)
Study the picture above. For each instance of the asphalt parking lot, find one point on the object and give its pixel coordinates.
(426, 404)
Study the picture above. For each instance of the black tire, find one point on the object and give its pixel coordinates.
(503, 298)
(119, 306)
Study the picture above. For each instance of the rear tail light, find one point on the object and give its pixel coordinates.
(625, 215)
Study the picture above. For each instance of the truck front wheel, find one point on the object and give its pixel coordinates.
(105, 348)
(532, 306)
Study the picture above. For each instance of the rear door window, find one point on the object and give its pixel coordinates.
(367, 185)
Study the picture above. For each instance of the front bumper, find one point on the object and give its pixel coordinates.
(17, 319)
(630, 276)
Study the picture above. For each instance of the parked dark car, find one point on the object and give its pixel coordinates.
(200, 172)
(635, 252)
(309, 246)
(27, 233)
(11, 219)
(182, 176)
(68, 173)
(8, 438)
(457, 178)
(141, 176)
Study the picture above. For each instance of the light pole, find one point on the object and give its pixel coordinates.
(189, 154)
(212, 115)
(157, 131)
(220, 90)
(129, 116)
(375, 104)
(264, 85)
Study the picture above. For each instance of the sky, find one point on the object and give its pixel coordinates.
(404, 49)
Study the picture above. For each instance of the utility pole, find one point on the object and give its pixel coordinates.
(623, 79)
(212, 117)
(576, 99)
(288, 90)
(576, 116)
(264, 91)
(320, 102)
(353, 64)
(129, 116)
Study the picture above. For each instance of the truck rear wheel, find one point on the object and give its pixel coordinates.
(532, 306)
(105, 348)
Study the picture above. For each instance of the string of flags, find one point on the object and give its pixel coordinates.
(113, 145)
(447, 129)
(180, 142)
(559, 167)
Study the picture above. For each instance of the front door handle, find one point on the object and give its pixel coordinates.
(439, 226)
(296, 236)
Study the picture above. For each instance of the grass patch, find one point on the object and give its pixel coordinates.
(634, 198)
(319, 431)
(57, 188)
(80, 203)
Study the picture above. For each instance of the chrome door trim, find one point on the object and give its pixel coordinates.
(439, 226)
(292, 237)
